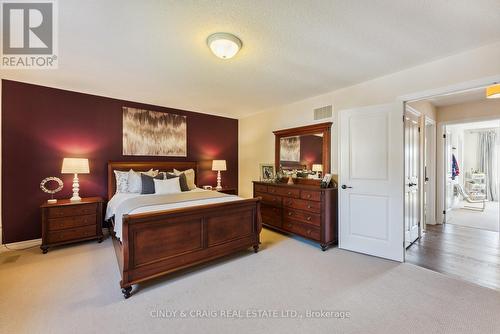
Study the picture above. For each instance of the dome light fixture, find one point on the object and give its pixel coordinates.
(493, 92)
(224, 45)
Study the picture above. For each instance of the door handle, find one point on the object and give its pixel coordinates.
(345, 187)
(411, 184)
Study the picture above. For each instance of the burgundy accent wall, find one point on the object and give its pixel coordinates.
(41, 126)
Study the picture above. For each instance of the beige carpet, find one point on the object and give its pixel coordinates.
(484, 220)
(75, 290)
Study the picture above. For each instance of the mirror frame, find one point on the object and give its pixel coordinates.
(324, 128)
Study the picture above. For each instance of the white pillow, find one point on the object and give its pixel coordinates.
(121, 181)
(168, 186)
(135, 181)
(189, 177)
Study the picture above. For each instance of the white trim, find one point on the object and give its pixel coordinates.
(412, 110)
(21, 245)
(456, 88)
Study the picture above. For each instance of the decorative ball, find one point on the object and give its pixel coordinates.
(47, 180)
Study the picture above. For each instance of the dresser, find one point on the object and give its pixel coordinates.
(305, 210)
(66, 222)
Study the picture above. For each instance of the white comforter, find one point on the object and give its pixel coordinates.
(119, 198)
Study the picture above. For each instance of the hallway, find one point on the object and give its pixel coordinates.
(467, 253)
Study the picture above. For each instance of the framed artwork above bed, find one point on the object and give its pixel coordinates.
(152, 133)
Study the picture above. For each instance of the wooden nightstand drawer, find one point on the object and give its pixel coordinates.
(72, 210)
(70, 234)
(67, 222)
(70, 222)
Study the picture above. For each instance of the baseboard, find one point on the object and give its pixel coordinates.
(21, 245)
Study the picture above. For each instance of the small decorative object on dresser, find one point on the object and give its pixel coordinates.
(45, 182)
(305, 210)
(219, 165)
(267, 172)
(318, 168)
(75, 166)
(67, 222)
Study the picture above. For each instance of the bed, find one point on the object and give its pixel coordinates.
(155, 238)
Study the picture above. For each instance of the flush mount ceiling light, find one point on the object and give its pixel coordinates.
(224, 45)
(493, 92)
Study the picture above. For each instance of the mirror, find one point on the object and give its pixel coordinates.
(304, 152)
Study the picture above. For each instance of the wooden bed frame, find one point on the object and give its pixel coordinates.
(158, 243)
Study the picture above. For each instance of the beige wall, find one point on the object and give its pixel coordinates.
(425, 108)
(256, 143)
(487, 109)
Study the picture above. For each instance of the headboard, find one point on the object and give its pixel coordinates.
(144, 166)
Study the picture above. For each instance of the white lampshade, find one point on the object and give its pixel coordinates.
(224, 45)
(219, 165)
(317, 168)
(75, 166)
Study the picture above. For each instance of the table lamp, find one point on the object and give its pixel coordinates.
(318, 168)
(219, 165)
(75, 166)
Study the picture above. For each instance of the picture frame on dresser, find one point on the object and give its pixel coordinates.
(267, 172)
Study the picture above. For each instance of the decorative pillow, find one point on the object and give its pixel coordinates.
(121, 181)
(134, 180)
(189, 177)
(148, 185)
(168, 186)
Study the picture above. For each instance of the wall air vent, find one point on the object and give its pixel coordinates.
(323, 112)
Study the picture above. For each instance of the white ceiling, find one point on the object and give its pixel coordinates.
(155, 51)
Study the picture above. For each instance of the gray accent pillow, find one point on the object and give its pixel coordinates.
(182, 180)
(148, 185)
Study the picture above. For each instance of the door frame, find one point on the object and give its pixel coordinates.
(441, 177)
(430, 159)
(418, 114)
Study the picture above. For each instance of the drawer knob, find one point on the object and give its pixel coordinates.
(308, 231)
(308, 206)
(289, 193)
(309, 218)
(289, 213)
(289, 225)
(308, 195)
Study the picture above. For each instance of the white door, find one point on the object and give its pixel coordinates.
(412, 171)
(371, 177)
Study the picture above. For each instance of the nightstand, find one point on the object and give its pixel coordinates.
(228, 190)
(67, 222)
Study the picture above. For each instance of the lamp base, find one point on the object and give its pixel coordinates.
(218, 188)
(75, 199)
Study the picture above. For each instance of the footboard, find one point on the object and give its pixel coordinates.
(155, 244)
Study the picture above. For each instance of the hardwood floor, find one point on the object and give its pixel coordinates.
(466, 253)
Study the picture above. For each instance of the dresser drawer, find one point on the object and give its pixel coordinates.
(304, 230)
(272, 190)
(301, 204)
(289, 192)
(311, 195)
(305, 217)
(72, 210)
(269, 199)
(271, 215)
(70, 222)
(261, 188)
(76, 233)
